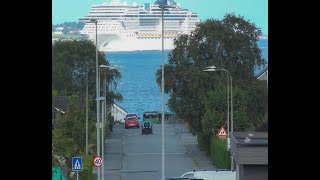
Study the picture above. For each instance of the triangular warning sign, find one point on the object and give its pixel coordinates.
(222, 132)
(77, 165)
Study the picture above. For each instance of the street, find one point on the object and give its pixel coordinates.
(129, 155)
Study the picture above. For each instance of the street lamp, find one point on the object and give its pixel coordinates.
(163, 4)
(103, 115)
(213, 68)
(97, 93)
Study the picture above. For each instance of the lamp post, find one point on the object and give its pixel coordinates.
(210, 69)
(103, 116)
(162, 5)
(213, 68)
(97, 94)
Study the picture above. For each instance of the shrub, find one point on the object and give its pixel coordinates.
(219, 153)
(204, 141)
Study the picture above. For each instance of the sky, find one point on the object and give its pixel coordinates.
(256, 11)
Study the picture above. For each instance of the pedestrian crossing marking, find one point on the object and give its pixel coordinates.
(77, 164)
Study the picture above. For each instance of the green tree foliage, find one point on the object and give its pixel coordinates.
(69, 26)
(68, 136)
(219, 154)
(230, 43)
(80, 25)
(216, 110)
(65, 30)
(69, 131)
(73, 62)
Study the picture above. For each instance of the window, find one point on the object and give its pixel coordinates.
(189, 175)
(131, 118)
(147, 124)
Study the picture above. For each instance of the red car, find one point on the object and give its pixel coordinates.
(131, 122)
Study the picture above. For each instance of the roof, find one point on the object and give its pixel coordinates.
(60, 102)
(247, 138)
(117, 106)
(261, 73)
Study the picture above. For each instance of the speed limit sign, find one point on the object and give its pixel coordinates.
(97, 161)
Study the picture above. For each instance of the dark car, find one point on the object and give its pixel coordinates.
(146, 127)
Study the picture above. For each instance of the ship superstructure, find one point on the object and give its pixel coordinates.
(123, 27)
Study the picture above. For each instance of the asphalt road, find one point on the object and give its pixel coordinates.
(129, 155)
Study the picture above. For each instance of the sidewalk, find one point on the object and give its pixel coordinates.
(113, 148)
(199, 158)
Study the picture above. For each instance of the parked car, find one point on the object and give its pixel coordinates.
(132, 115)
(146, 128)
(131, 122)
(182, 178)
(208, 175)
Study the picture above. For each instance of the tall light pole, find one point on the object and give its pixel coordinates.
(213, 68)
(97, 94)
(210, 69)
(163, 4)
(103, 116)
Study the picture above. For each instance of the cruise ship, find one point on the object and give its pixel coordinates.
(123, 27)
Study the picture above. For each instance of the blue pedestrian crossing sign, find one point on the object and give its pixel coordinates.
(77, 164)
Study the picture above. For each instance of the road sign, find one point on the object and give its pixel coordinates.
(97, 161)
(77, 164)
(222, 134)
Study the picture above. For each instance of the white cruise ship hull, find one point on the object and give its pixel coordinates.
(135, 44)
(114, 43)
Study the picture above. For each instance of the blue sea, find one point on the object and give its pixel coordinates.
(138, 83)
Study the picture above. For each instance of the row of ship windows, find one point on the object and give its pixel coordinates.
(108, 9)
(166, 16)
(150, 19)
(102, 28)
(113, 29)
(103, 24)
(142, 13)
(105, 29)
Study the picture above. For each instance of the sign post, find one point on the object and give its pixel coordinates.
(77, 164)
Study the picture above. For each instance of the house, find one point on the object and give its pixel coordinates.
(263, 75)
(118, 113)
(249, 151)
(60, 106)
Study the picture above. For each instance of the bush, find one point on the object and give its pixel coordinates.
(204, 141)
(86, 173)
(219, 153)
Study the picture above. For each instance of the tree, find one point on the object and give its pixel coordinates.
(216, 110)
(230, 43)
(74, 61)
(80, 25)
(68, 136)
